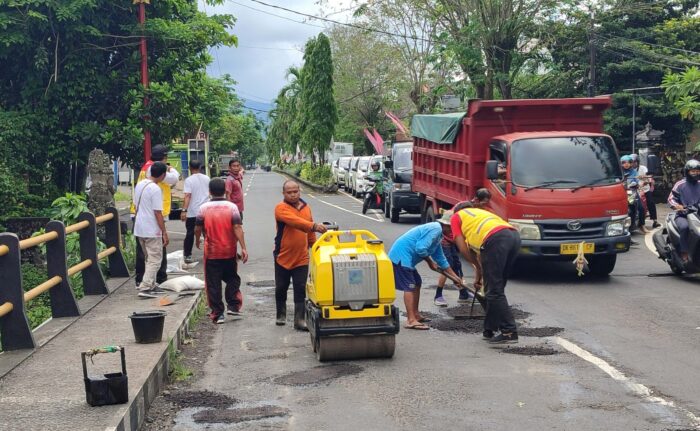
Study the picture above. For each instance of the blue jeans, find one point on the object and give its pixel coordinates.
(683, 230)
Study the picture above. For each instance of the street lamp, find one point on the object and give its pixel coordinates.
(144, 73)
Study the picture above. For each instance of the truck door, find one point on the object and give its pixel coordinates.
(498, 150)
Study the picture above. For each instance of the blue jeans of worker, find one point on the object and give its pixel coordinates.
(683, 230)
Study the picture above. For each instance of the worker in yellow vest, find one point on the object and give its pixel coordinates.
(497, 243)
(159, 153)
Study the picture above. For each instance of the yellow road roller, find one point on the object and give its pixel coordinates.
(350, 295)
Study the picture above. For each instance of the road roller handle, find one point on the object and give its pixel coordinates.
(332, 237)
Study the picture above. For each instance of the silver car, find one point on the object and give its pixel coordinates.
(341, 170)
(358, 176)
(348, 174)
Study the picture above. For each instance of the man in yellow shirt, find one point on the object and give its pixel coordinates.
(497, 244)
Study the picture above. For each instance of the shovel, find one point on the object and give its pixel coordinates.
(478, 296)
(172, 298)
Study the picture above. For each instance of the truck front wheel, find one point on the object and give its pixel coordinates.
(602, 266)
(394, 213)
(387, 208)
(429, 214)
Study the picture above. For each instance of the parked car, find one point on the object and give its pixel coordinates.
(342, 169)
(358, 176)
(348, 174)
(397, 183)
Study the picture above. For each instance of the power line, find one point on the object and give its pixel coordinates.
(369, 29)
(278, 16)
(650, 53)
(256, 109)
(652, 44)
(639, 59)
(269, 47)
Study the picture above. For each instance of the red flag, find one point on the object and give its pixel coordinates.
(380, 142)
(397, 122)
(372, 139)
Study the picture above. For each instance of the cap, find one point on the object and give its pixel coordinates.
(158, 152)
(446, 217)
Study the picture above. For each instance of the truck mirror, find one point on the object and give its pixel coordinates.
(653, 164)
(388, 164)
(492, 169)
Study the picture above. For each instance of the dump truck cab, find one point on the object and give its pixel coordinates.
(551, 172)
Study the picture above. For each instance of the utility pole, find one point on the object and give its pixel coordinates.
(592, 49)
(144, 73)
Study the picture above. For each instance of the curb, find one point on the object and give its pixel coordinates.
(139, 404)
(318, 188)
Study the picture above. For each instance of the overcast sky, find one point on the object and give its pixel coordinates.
(267, 45)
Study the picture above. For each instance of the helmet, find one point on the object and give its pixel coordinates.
(375, 163)
(689, 165)
(624, 159)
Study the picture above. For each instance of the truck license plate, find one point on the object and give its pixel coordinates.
(588, 247)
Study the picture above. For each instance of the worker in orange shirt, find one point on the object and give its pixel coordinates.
(295, 235)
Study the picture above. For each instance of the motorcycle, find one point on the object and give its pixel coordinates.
(636, 203)
(372, 200)
(667, 243)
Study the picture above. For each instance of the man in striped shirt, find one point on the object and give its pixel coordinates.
(220, 222)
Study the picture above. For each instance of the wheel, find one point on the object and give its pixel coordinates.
(395, 214)
(429, 215)
(365, 205)
(387, 208)
(602, 266)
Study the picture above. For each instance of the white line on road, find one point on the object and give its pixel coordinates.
(636, 388)
(379, 217)
(344, 209)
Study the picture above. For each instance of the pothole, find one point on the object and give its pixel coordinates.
(318, 374)
(428, 314)
(545, 331)
(261, 283)
(530, 351)
(466, 311)
(233, 416)
(519, 314)
(200, 399)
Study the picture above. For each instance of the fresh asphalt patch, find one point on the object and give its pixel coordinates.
(189, 399)
(261, 283)
(530, 351)
(238, 415)
(318, 374)
(545, 331)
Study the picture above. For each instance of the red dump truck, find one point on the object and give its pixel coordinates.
(551, 172)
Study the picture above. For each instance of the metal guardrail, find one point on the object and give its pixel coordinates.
(14, 325)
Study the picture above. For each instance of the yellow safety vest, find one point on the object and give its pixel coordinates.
(477, 224)
(163, 186)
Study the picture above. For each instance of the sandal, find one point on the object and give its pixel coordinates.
(417, 326)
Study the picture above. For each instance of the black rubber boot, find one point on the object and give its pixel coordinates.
(300, 317)
(281, 316)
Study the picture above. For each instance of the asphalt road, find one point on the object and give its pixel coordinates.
(626, 357)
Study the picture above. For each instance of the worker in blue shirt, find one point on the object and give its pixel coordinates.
(418, 244)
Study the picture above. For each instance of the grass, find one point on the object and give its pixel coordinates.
(177, 370)
(121, 197)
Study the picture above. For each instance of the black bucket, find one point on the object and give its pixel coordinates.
(111, 388)
(148, 326)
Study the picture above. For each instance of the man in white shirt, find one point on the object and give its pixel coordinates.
(159, 153)
(149, 227)
(196, 193)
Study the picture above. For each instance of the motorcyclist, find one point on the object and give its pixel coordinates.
(375, 175)
(631, 182)
(685, 193)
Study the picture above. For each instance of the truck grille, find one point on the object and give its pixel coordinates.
(558, 229)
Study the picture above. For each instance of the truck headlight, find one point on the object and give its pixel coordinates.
(402, 186)
(527, 228)
(618, 227)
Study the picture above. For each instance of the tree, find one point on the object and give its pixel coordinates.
(318, 112)
(69, 82)
(683, 90)
(283, 135)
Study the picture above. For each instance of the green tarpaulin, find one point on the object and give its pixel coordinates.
(440, 128)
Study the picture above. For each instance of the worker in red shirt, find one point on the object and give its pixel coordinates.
(220, 222)
(295, 235)
(234, 184)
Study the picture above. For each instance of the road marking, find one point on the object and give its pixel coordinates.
(636, 388)
(649, 241)
(344, 209)
(378, 216)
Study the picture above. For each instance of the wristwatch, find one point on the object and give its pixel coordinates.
(184, 210)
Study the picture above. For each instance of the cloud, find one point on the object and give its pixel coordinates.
(268, 45)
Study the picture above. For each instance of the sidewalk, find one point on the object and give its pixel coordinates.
(46, 391)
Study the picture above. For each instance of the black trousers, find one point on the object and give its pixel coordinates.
(217, 271)
(498, 255)
(651, 206)
(189, 236)
(140, 268)
(298, 276)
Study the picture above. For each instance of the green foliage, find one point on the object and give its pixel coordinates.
(39, 309)
(683, 90)
(129, 251)
(239, 132)
(320, 175)
(67, 208)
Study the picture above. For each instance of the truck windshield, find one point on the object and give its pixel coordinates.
(580, 160)
(345, 162)
(402, 158)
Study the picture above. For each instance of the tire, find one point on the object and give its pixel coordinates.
(387, 208)
(395, 214)
(602, 266)
(429, 215)
(365, 205)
